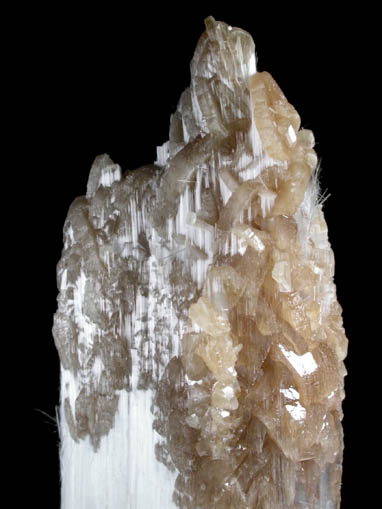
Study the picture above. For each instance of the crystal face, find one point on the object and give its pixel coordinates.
(200, 338)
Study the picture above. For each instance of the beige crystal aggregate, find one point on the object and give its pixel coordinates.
(226, 234)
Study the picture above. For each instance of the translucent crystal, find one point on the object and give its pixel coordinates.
(200, 338)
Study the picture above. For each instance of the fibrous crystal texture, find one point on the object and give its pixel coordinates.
(200, 338)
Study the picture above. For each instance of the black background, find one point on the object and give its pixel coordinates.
(101, 80)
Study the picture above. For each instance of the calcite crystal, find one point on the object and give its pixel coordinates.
(200, 338)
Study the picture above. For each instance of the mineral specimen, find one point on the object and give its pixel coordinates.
(200, 338)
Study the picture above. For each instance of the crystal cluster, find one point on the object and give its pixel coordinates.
(205, 281)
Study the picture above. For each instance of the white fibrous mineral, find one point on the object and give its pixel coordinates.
(200, 338)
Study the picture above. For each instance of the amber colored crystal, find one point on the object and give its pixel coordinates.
(206, 282)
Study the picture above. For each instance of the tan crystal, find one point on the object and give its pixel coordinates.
(229, 240)
(280, 368)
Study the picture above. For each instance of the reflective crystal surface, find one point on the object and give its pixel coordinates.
(200, 338)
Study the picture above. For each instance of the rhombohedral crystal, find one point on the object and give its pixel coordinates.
(200, 339)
